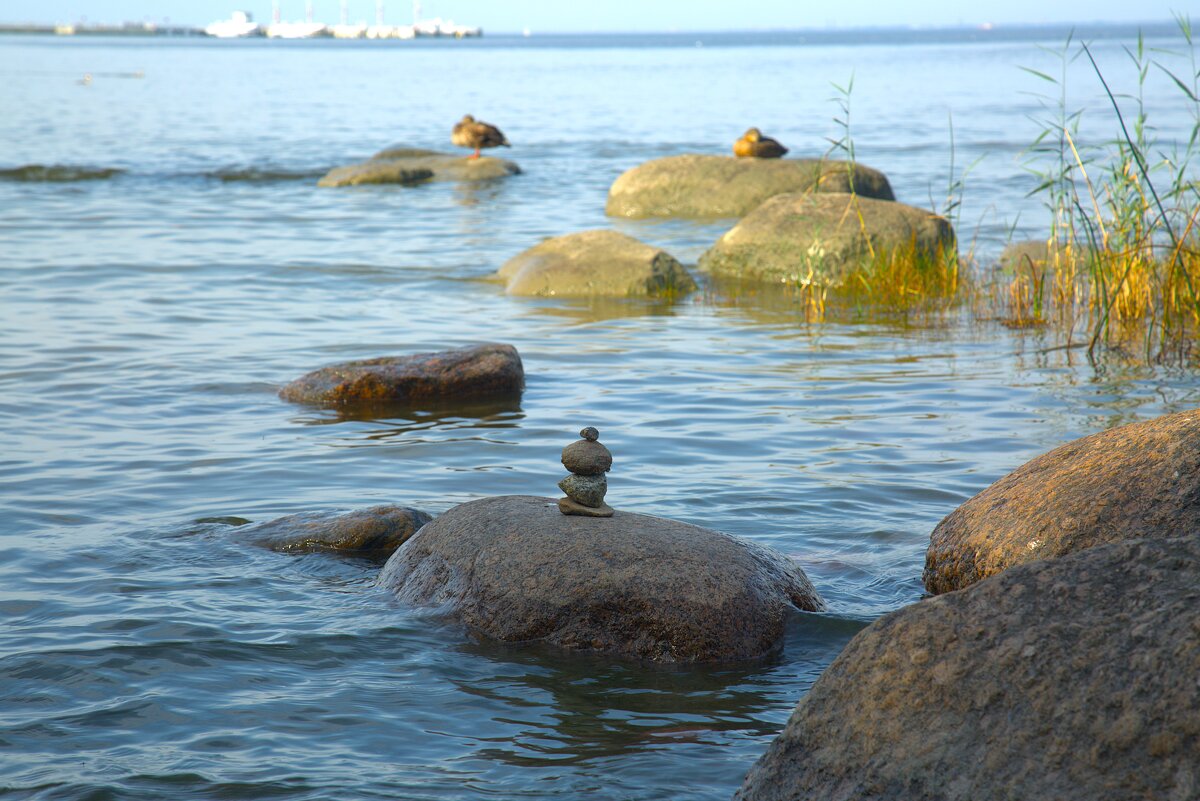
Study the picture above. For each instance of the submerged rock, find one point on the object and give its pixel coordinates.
(1139, 480)
(403, 165)
(462, 375)
(1073, 679)
(514, 569)
(595, 263)
(375, 533)
(725, 186)
(824, 235)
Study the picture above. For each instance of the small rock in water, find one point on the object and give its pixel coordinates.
(590, 434)
(587, 490)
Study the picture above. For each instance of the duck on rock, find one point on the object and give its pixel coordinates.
(469, 132)
(754, 145)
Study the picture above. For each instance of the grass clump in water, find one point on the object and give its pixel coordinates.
(1120, 270)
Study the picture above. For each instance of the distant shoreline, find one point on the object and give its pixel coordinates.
(861, 35)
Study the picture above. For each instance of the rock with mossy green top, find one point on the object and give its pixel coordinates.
(407, 165)
(823, 237)
(595, 264)
(699, 186)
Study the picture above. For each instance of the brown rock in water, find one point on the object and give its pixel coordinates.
(406, 165)
(824, 236)
(1140, 480)
(724, 186)
(514, 569)
(375, 533)
(587, 458)
(1073, 679)
(461, 375)
(595, 264)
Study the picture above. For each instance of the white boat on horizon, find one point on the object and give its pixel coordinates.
(240, 24)
(297, 30)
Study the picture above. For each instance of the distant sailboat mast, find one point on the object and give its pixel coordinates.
(379, 13)
(345, 12)
(308, 11)
(416, 12)
(275, 16)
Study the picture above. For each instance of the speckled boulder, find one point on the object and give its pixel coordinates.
(723, 186)
(595, 264)
(374, 533)
(514, 569)
(454, 376)
(1139, 480)
(1073, 679)
(406, 165)
(825, 236)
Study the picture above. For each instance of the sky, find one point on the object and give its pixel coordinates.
(613, 15)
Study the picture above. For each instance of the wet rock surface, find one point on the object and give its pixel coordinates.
(595, 264)
(514, 569)
(373, 533)
(1139, 480)
(725, 186)
(825, 236)
(1073, 679)
(405, 165)
(462, 375)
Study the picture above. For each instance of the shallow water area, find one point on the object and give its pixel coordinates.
(151, 314)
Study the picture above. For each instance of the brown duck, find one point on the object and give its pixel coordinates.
(754, 145)
(471, 133)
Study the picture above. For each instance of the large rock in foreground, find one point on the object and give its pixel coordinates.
(1140, 480)
(515, 569)
(1073, 679)
(826, 236)
(373, 533)
(455, 376)
(595, 263)
(411, 165)
(723, 186)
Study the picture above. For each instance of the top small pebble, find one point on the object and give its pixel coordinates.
(590, 434)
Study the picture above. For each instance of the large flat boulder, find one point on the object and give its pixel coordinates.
(404, 165)
(1073, 679)
(1139, 480)
(825, 235)
(515, 569)
(373, 533)
(723, 186)
(595, 264)
(462, 375)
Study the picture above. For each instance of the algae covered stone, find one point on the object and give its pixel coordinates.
(724, 186)
(1072, 679)
(404, 165)
(515, 569)
(823, 237)
(374, 533)
(1138, 480)
(595, 264)
(462, 375)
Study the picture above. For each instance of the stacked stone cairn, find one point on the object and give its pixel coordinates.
(588, 461)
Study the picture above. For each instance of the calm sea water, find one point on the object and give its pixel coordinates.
(150, 317)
